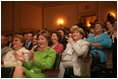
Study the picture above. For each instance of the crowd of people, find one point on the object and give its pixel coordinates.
(31, 52)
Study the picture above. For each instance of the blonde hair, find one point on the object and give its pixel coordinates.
(75, 27)
(20, 37)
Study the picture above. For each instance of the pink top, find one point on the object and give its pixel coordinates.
(59, 48)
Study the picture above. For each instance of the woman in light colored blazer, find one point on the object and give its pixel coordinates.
(73, 55)
(13, 58)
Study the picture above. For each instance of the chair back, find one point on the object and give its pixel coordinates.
(57, 61)
(7, 72)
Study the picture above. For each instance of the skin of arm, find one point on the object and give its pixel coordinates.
(95, 44)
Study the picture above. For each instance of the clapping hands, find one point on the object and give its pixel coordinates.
(70, 40)
(19, 57)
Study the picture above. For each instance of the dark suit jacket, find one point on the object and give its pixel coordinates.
(30, 46)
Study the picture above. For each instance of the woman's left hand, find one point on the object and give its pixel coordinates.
(70, 40)
(19, 57)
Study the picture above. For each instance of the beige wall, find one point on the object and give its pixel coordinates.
(105, 8)
(6, 17)
(20, 17)
(52, 14)
(31, 17)
(24, 17)
(71, 13)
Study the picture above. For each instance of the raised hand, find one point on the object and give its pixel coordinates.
(70, 40)
(19, 57)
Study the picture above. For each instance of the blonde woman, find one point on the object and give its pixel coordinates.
(76, 47)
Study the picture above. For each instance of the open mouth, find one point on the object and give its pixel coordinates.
(14, 44)
(41, 44)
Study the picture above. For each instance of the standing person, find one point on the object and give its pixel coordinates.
(99, 41)
(44, 58)
(55, 37)
(63, 39)
(109, 28)
(73, 55)
(13, 58)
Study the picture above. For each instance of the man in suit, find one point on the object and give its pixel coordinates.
(35, 42)
(10, 40)
(29, 41)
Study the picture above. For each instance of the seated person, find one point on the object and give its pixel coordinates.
(10, 40)
(4, 48)
(99, 41)
(63, 40)
(55, 36)
(44, 58)
(35, 42)
(76, 47)
(13, 58)
(28, 43)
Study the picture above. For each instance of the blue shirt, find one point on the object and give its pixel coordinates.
(104, 41)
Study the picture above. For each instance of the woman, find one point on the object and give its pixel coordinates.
(109, 29)
(13, 58)
(44, 58)
(55, 37)
(99, 41)
(73, 55)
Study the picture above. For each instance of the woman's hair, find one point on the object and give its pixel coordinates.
(20, 37)
(45, 33)
(75, 27)
(58, 35)
(100, 24)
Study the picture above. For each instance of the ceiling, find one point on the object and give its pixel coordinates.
(50, 3)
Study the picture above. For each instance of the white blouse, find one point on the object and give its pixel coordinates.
(10, 60)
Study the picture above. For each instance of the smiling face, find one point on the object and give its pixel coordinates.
(77, 35)
(98, 28)
(29, 37)
(34, 41)
(42, 41)
(17, 43)
(54, 38)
